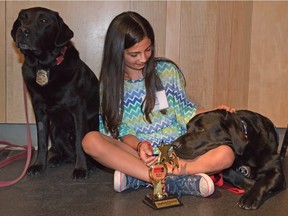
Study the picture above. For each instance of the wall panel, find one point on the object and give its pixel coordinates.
(268, 81)
(231, 52)
(197, 50)
(2, 63)
(173, 30)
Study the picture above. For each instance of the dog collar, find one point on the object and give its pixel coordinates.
(245, 130)
(60, 58)
(42, 75)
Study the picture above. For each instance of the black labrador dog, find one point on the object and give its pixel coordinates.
(64, 91)
(257, 167)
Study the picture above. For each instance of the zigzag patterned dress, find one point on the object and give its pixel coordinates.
(166, 127)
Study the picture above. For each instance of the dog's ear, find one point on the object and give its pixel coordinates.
(64, 33)
(16, 25)
(239, 141)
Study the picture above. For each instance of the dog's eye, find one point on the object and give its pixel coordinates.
(43, 20)
(199, 129)
(23, 17)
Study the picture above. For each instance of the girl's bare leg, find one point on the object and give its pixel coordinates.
(211, 162)
(115, 154)
(119, 156)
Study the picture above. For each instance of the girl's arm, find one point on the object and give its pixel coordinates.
(130, 140)
(143, 149)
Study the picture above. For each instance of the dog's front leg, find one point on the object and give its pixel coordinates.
(80, 119)
(42, 142)
(270, 181)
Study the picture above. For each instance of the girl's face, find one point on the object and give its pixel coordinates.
(136, 56)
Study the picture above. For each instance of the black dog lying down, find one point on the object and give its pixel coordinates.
(257, 167)
(63, 89)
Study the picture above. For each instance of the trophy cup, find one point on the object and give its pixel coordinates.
(157, 173)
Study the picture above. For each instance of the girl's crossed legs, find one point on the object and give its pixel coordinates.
(117, 155)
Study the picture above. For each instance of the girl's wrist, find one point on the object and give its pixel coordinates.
(144, 142)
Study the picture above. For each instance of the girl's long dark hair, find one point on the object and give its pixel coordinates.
(125, 30)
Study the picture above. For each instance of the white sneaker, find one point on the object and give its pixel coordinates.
(123, 182)
(206, 185)
(120, 181)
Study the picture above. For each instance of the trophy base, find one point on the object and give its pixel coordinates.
(167, 202)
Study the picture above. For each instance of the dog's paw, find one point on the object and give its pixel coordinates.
(35, 170)
(55, 162)
(249, 202)
(80, 174)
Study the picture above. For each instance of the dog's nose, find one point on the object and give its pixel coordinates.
(25, 31)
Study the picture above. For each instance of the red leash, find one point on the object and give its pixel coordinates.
(218, 181)
(28, 148)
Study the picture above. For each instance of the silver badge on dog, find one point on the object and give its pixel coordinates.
(42, 77)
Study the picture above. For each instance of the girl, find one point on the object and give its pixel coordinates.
(143, 103)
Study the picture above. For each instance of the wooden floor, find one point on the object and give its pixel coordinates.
(55, 194)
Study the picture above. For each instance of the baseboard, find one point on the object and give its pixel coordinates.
(17, 134)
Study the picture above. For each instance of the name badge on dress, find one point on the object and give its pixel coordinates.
(161, 101)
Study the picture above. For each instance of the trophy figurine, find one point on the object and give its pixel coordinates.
(157, 172)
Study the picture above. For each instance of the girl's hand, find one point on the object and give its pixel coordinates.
(145, 152)
(227, 108)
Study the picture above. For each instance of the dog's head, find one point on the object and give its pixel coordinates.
(209, 130)
(38, 29)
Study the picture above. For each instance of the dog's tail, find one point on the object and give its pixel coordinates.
(284, 145)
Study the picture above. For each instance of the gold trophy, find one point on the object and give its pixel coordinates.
(157, 173)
